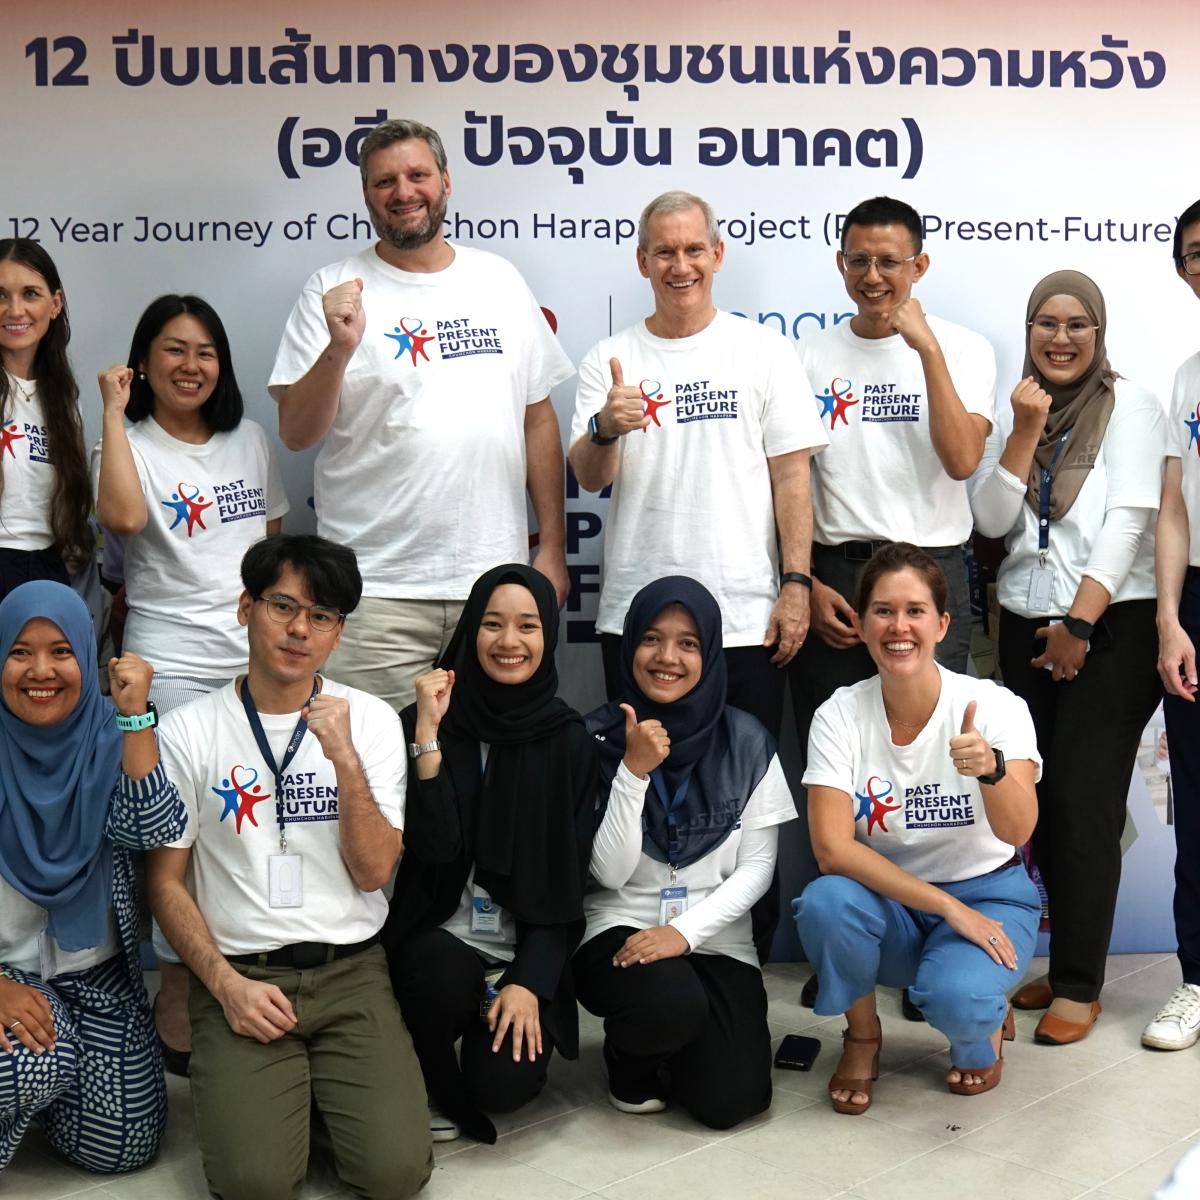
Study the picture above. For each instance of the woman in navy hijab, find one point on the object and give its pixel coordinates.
(695, 796)
(79, 783)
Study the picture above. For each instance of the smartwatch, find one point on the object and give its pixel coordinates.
(416, 749)
(1000, 771)
(146, 720)
(594, 432)
(1077, 627)
(796, 577)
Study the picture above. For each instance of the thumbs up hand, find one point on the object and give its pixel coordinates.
(646, 744)
(624, 410)
(969, 751)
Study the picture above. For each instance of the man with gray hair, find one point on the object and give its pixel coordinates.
(426, 368)
(700, 420)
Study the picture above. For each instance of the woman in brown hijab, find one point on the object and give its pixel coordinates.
(1071, 478)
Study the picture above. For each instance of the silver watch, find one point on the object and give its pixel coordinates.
(416, 749)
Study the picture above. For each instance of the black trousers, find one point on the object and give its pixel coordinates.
(1088, 731)
(438, 981)
(692, 1028)
(21, 566)
(1183, 744)
(757, 687)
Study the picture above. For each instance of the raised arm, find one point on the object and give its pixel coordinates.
(619, 411)
(120, 501)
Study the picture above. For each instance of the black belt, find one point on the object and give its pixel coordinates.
(303, 956)
(862, 551)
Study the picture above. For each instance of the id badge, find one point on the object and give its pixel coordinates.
(672, 903)
(485, 914)
(283, 879)
(1041, 589)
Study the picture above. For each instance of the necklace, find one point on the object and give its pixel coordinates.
(904, 724)
(21, 388)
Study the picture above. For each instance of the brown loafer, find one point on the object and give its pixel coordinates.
(1033, 995)
(1054, 1031)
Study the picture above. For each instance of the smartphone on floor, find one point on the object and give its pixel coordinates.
(797, 1053)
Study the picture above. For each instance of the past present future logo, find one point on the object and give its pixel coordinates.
(457, 337)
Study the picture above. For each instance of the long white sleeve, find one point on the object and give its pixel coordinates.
(617, 845)
(1116, 546)
(996, 493)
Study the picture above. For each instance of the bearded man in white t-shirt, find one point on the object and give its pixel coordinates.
(425, 370)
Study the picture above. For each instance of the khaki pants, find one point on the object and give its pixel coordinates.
(349, 1054)
(387, 644)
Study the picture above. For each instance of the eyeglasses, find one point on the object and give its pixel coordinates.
(1191, 263)
(1045, 329)
(860, 264)
(283, 610)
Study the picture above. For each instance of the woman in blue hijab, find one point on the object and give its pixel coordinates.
(80, 783)
(695, 796)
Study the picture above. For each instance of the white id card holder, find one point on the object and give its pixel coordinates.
(284, 881)
(672, 903)
(485, 914)
(1041, 589)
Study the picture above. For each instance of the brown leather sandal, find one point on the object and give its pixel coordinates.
(988, 1076)
(842, 1083)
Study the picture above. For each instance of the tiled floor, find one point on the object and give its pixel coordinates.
(1104, 1118)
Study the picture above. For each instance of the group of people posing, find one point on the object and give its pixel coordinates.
(375, 707)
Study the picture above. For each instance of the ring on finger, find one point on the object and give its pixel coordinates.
(992, 941)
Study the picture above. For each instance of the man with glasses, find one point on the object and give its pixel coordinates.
(908, 401)
(294, 789)
(1177, 567)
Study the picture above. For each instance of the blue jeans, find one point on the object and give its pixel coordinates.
(856, 939)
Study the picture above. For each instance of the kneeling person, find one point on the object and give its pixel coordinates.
(294, 787)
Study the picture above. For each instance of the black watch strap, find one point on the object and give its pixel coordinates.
(1000, 771)
(796, 577)
(594, 432)
(1077, 627)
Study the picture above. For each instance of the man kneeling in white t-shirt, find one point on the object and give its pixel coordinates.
(294, 788)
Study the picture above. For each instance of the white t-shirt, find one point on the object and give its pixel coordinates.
(423, 472)
(881, 479)
(721, 887)
(1183, 443)
(910, 803)
(1127, 474)
(229, 793)
(27, 470)
(205, 506)
(25, 941)
(692, 495)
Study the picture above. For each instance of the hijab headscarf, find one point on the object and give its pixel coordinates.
(56, 781)
(1084, 407)
(720, 754)
(525, 843)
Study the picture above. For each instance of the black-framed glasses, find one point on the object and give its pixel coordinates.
(1191, 263)
(283, 610)
(1079, 329)
(860, 264)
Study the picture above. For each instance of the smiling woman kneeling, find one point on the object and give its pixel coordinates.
(920, 784)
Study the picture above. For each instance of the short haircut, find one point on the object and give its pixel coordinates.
(399, 131)
(1189, 216)
(330, 571)
(901, 556)
(223, 410)
(884, 210)
(673, 202)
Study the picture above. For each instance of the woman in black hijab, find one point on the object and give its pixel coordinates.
(500, 813)
(694, 794)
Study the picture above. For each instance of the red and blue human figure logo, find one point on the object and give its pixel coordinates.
(188, 505)
(872, 807)
(836, 399)
(408, 336)
(1193, 425)
(652, 398)
(240, 795)
(8, 435)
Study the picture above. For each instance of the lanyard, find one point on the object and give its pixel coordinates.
(1044, 498)
(669, 806)
(264, 749)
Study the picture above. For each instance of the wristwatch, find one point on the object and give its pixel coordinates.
(796, 577)
(416, 749)
(1077, 627)
(1000, 771)
(594, 432)
(146, 720)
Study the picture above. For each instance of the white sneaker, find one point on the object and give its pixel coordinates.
(653, 1105)
(441, 1128)
(1176, 1025)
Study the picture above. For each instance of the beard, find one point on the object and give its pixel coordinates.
(410, 237)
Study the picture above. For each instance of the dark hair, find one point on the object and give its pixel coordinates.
(900, 556)
(223, 410)
(330, 571)
(1189, 216)
(71, 497)
(399, 130)
(884, 210)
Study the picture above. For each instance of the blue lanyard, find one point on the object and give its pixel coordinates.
(264, 749)
(669, 806)
(1044, 496)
